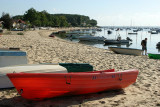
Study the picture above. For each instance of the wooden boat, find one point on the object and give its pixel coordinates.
(12, 56)
(41, 68)
(38, 86)
(153, 56)
(127, 51)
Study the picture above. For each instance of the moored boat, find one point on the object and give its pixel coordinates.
(115, 41)
(127, 51)
(132, 33)
(154, 32)
(38, 86)
(91, 38)
(41, 68)
(158, 44)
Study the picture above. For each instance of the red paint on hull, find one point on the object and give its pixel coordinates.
(37, 86)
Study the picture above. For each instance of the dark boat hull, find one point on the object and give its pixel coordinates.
(116, 41)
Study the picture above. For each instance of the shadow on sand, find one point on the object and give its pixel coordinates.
(58, 101)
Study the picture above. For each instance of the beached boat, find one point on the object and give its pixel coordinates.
(41, 68)
(91, 38)
(153, 56)
(127, 51)
(38, 86)
(12, 56)
(51, 35)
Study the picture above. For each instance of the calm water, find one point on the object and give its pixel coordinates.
(153, 39)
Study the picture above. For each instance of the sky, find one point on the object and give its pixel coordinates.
(106, 12)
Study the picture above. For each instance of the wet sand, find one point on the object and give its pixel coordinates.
(43, 49)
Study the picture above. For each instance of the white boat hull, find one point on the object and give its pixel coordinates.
(128, 51)
(39, 68)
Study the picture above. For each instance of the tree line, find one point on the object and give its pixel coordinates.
(44, 19)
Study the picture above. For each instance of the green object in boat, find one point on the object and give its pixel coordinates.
(77, 67)
(153, 56)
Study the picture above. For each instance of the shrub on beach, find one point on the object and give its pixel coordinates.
(20, 33)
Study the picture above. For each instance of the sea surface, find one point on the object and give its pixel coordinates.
(153, 39)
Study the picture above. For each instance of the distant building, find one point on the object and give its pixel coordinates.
(19, 24)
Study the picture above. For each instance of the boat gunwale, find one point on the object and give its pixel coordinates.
(152, 54)
(13, 75)
(126, 48)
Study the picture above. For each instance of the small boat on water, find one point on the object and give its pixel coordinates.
(154, 32)
(91, 38)
(41, 68)
(117, 41)
(153, 56)
(109, 31)
(127, 51)
(135, 30)
(39, 86)
(132, 33)
(158, 44)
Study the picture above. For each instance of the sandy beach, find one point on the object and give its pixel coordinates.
(41, 48)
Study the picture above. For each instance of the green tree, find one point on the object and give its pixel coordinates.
(32, 16)
(43, 18)
(93, 22)
(8, 21)
(18, 17)
(63, 21)
(56, 21)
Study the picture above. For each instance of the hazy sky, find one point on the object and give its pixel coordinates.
(106, 12)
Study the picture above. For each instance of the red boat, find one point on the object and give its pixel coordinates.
(38, 86)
